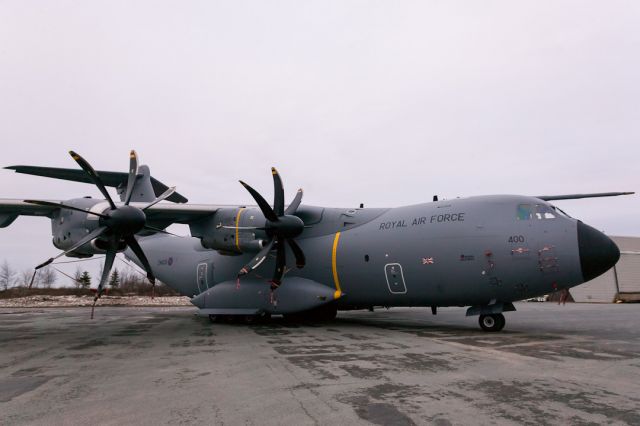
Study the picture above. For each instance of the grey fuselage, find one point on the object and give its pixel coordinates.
(465, 251)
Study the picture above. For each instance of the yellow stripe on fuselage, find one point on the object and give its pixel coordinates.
(334, 266)
(238, 229)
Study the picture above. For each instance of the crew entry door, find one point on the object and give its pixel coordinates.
(202, 277)
(395, 278)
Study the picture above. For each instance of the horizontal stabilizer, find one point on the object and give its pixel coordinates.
(577, 196)
(114, 179)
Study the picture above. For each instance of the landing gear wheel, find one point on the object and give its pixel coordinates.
(250, 319)
(264, 317)
(213, 319)
(321, 314)
(326, 313)
(492, 322)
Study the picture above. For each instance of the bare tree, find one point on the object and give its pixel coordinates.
(77, 277)
(48, 276)
(37, 279)
(6, 275)
(25, 277)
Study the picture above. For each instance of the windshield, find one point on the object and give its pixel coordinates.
(537, 212)
(560, 211)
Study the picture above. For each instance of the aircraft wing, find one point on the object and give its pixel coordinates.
(11, 209)
(577, 196)
(165, 214)
(159, 215)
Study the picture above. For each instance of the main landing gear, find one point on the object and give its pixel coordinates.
(322, 313)
(491, 318)
(240, 319)
(492, 322)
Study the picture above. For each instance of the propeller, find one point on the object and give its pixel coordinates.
(281, 228)
(117, 225)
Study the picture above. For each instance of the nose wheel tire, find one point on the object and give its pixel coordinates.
(492, 322)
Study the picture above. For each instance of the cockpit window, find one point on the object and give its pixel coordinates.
(536, 211)
(523, 212)
(544, 212)
(560, 212)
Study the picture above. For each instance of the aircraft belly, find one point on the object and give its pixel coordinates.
(254, 296)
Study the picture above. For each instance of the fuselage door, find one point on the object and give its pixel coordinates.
(395, 278)
(201, 278)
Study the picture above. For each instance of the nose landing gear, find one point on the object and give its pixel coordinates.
(492, 322)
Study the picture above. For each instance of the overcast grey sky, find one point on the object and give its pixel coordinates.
(380, 102)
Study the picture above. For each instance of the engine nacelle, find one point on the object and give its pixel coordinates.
(68, 227)
(101, 246)
(230, 231)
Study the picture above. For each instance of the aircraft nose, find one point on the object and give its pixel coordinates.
(598, 253)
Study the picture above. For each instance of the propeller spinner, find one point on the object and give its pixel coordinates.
(117, 225)
(281, 226)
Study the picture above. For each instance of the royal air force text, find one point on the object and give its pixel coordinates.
(423, 220)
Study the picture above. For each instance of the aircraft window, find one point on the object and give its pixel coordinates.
(544, 212)
(523, 212)
(560, 212)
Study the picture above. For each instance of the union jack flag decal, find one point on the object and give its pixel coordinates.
(427, 260)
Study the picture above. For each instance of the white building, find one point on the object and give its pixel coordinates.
(622, 282)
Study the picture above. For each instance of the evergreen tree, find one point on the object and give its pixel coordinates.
(114, 281)
(85, 280)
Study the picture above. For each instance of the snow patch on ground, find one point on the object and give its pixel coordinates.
(70, 301)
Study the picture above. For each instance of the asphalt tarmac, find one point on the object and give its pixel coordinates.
(577, 364)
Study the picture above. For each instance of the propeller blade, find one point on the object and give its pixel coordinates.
(133, 172)
(33, 278)
(93, 176)
(278, 193)
(166, 194)
(257, 261)
(266, 209)
(135, 247)
(64, 206)
(106, 269)
(297, 252)
(291, 208)
(281, 263)
(90, 236)
(161, 231)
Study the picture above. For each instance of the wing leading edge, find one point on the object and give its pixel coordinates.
(578, 196)
(162, 214)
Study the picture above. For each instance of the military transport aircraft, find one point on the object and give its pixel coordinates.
(308, 262)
